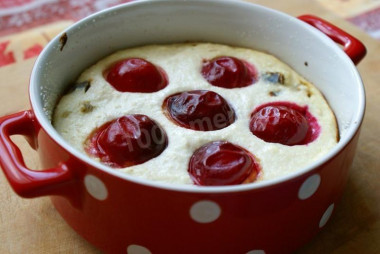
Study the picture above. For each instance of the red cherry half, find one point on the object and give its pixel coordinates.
(136, 75)
(127, 141)
(200, 110)
(229, 72)
(222, 163)
(285, 123)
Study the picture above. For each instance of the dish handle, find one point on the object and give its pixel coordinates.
(24, 181)
(352, 46)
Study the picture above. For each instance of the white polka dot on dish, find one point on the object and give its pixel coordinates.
(95, 187)
(256, 252)
(205, 211)
(326, 216)
(137, 249)
(309, 187)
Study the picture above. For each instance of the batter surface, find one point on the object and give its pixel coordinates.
(94, 102)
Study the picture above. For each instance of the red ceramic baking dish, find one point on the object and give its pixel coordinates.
(119, 213)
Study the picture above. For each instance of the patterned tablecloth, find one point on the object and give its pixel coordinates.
(27, 25)
(363, 13)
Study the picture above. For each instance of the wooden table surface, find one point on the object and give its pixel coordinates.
(33, 225)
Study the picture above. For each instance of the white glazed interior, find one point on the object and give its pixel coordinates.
(227, 22)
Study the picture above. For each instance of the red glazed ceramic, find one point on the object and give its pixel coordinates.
(121, 214)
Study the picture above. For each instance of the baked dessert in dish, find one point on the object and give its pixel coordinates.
(197, 113)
